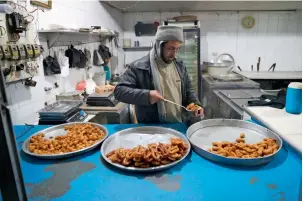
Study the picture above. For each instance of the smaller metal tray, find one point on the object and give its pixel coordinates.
(202, 134)
(59, 108)
(133, 137)
(55, 131)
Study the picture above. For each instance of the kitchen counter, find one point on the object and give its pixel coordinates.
(288, 126)
(118, 114)
(88, 178)
(269, 75)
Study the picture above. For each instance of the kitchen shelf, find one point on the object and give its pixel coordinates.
(59, 31)
(52, 35)
(143, 48)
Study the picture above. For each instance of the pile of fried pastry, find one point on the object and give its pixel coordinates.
(240, 149)
(78, 136)
(154, 154)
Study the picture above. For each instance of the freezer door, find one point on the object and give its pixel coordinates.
(190, 54)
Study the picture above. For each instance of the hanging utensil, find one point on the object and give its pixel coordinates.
(258, 64)
(272, 67)
(252, 67)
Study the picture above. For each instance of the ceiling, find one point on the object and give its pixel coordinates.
(182, 6)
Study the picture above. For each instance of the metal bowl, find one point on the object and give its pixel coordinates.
(55, 131)
(202, 134)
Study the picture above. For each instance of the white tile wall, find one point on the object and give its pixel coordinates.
(25, 102)
(276, 38)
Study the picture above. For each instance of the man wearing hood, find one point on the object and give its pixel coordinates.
(159, 75)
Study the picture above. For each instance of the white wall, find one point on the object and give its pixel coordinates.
(25, 102)
(276, 38)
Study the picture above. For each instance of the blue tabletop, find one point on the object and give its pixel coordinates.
(88, 178)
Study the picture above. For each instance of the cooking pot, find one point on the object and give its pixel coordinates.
(222, 66)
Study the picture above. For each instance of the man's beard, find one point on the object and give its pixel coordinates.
(166, 60)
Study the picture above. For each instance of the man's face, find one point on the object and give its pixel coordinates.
(170, 50)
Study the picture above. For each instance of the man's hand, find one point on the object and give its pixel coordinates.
(154, 96)
(199, 112)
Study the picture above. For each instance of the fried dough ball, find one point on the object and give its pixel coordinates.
(192, 107)
(78, 136)
(240, 149)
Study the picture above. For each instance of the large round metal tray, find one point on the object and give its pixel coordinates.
(202, 134)
(144, 135)
(58, 130)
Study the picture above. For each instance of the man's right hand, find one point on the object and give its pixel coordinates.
(154, 96)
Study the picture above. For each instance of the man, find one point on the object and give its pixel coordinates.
(156, 77)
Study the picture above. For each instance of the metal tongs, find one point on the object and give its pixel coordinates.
(177, 104)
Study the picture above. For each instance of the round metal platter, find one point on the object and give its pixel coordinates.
(133, 137)
(202, 134)
(58, 130)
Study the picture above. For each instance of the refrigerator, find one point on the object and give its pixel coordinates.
(190, 51)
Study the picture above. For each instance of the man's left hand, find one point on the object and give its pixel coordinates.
(199, 112)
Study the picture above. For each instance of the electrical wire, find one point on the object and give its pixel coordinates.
(3, 31)
(11, 2)
(33, 18)
(30, 127)
(36, 9)
(125, 8)
(36, 23)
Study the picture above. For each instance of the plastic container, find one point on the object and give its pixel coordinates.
(99, 79)
(126, 42)
(294, 98)
(107, 73)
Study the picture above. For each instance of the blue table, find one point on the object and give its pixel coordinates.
(88, 178)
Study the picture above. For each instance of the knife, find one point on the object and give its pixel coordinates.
(258, 64)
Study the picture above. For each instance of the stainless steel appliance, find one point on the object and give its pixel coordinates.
(229, 104)
(209, 99)
(104, 99)
(118, 114)
(61, 112)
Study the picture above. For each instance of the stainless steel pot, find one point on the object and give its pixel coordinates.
(223, 65)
